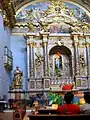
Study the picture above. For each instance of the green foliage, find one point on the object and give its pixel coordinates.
(54, 98)
(57, 71)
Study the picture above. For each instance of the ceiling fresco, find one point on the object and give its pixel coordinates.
(19, 3)
(53, 17)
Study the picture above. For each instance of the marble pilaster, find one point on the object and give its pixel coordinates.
(45, 53)
(88, 54)
(28, 57)
(32, 57)
(76, 43)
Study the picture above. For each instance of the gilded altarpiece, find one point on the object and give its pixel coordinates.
(58, 43)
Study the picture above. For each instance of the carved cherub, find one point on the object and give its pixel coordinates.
(82, 60)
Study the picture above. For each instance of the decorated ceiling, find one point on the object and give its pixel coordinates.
(19, 3)
(54, 17)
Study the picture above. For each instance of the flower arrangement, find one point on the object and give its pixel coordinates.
(68, 86)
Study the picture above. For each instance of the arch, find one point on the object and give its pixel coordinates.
(62, 49)
(65, 51)
(27, 3)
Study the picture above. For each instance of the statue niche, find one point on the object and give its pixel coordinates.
(60, 62)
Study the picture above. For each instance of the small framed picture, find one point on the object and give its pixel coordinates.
(39, 84)
(32, 84)
(47, 83)
(84, 83)
(78, 82)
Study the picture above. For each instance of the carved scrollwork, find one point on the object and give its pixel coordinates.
(87, 2)
(82, 60)
(8, 13)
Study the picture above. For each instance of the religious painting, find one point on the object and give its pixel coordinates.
(58, 63)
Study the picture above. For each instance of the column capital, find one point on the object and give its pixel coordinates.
(44, 36)
(44, 33)
(88, 39)
(76, 43)
(75, 37)
(29, 38)
(88, 44)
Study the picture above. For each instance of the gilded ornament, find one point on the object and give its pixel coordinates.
(8, 13)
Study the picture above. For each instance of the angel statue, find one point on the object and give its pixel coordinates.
(82, 61)
(82, 64)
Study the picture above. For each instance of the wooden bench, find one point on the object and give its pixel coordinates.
(3, 105)
(59, 117)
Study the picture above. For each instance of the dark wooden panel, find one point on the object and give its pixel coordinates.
(59, 117)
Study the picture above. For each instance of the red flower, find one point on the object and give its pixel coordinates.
(67, 87)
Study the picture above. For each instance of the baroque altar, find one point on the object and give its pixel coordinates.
(57, 59)
(58, 44)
